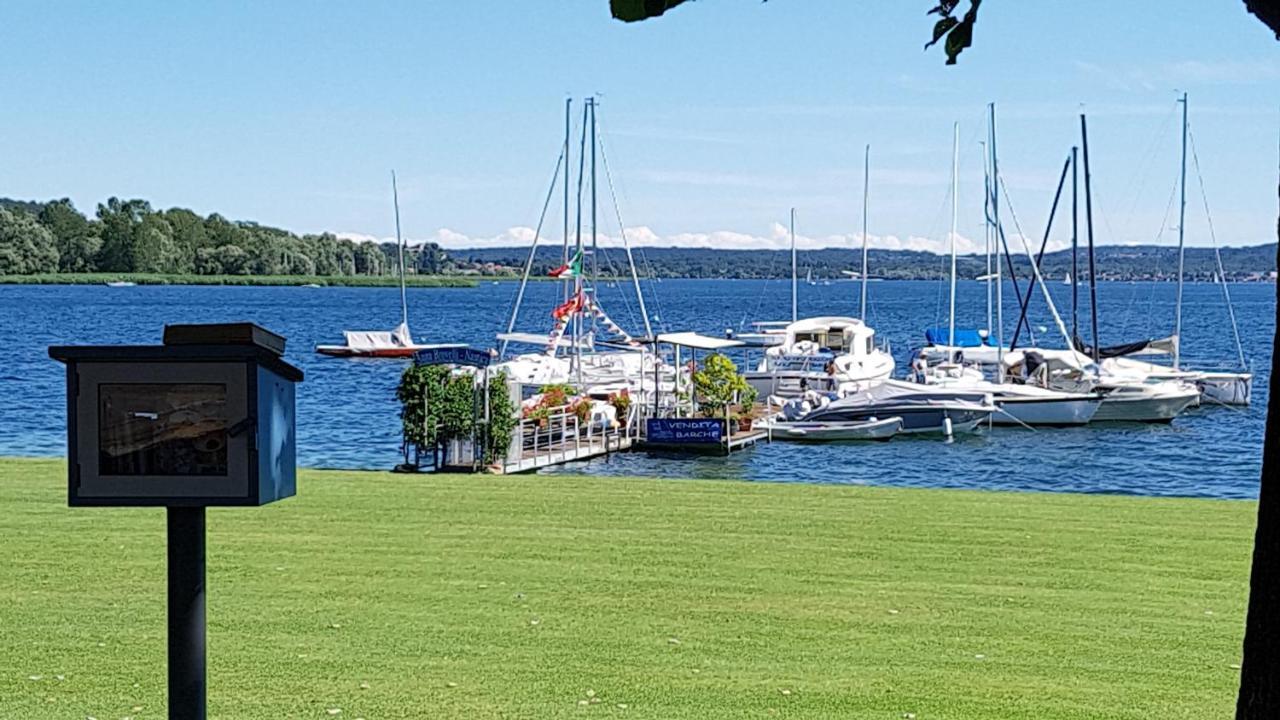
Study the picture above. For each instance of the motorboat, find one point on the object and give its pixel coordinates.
(921, 409)
(820, 354)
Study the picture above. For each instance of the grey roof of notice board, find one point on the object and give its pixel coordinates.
(179, 353)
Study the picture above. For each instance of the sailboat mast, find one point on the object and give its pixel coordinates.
(595, 261)
(866, 180)
(794, 303)
(986, 229)
(568, 176)
(1075, 245)
(1088, 221)
(404, 301)
(577, 243)
(955, 217)
(1182, 221)
(995, 223)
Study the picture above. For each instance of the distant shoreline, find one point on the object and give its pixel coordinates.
(433, 281)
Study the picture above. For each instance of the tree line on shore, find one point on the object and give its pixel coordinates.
(129, 236)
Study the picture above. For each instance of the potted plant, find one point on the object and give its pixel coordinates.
(718, 384)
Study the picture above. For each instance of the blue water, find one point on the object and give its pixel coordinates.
(348, 414)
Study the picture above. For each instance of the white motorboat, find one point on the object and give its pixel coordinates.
(1018, 404)
(820, 354)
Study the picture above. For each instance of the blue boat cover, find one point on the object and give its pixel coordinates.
(967, 337)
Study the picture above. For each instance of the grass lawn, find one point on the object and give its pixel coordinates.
(390, 596)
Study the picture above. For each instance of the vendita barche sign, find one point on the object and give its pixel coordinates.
(684, 431)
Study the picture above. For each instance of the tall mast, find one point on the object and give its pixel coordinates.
(986, 229)
(568, 176)
(866, 179)
(577, 242)
(404, 301)
(955, 217)
(794, 304)
(1075, 244)
(996, 231)
(1182, 221)
(595, 262)
(1088, 220)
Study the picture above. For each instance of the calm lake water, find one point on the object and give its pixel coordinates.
(348, 413)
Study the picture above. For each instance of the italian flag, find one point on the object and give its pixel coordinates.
(572, 270)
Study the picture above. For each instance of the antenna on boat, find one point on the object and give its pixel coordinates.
(1088, 219)
(794, 304)
(955, 216)
(1182, 221)
(866, 177)
(404, 301)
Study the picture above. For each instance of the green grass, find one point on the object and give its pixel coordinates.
(189, 279)
(519, 597)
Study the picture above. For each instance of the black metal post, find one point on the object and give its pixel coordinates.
(186, 558)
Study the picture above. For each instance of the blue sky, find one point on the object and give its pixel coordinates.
(716, 118)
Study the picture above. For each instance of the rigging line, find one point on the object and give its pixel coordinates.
(1004, 242)
(622, 230)
(1217, 254)
(533, 249)
(1148, 160)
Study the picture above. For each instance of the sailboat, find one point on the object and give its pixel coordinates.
(1127, 397)
(1016, 404)
(397, 343)
(1066, 279)
(1221, 387)
(585, 347)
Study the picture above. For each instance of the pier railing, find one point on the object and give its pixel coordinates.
(561, 436)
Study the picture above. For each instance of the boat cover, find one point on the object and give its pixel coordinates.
(365, 340)
(967, 337)
(1153, 346)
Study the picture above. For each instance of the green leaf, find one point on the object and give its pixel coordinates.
(636, 10)
(945, 8)
(959, 39)
(941, 29)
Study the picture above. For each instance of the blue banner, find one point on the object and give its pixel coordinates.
(459, 355)
(684, 431)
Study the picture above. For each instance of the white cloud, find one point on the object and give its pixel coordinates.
(776, 238)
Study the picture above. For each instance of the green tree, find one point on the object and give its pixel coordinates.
(120, 220)
(74, 235)
(154, 250)
(26, 246)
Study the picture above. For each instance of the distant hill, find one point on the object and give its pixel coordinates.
(1114, 262)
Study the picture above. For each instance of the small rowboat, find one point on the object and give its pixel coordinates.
(836, 431)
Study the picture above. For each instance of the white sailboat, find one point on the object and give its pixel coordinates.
(397, 343)
(1219, 387)
(1017, 404)
(584, 347)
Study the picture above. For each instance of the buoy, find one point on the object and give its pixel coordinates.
(946, 425)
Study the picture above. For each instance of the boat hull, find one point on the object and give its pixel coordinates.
(1161, 408)
(344, 351)
(1052, 412)
(800, 431)
(916, 419)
